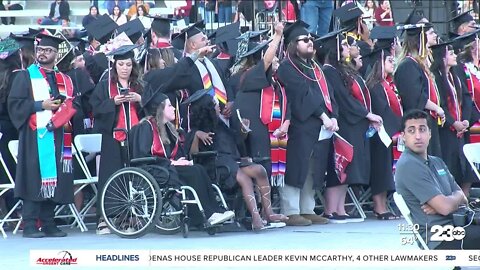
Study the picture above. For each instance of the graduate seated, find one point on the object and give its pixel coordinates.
(156, 136)
(210, 133)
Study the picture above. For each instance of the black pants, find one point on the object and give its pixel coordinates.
(12, 7)
(44, 210)
(471, 240)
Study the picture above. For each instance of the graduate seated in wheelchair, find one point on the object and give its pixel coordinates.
(185, 195)
(210, 133)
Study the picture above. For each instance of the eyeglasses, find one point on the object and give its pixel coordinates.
(46, 50)
(306, 39)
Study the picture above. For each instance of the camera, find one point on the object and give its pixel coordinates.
(463, 216)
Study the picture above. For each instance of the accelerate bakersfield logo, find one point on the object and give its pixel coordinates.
(62, 258)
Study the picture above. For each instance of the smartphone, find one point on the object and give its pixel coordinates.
(123, 91)
(60, 97)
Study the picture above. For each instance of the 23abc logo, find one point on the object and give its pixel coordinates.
(447, 233)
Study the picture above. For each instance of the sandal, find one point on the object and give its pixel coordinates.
(277, 218)
(386, 216)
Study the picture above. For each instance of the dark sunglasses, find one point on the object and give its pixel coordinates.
(306, 39)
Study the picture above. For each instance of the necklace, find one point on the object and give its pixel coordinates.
(299, 71)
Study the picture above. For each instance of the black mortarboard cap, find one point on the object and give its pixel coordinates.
(8, 47)
(254, 47)
(177, 42)
(49, 40)
(79, 45)
(161, 24)
(376, 54)
(329, 40)
(383, 32)
(348, 15)
(440, 49)
(461, 19)
(124, 52)
(191, 31)
(416, 29)
(463, 40)
(151, 98)
(133, 29)
(102, 28)
(24, 41)
(225, 33)
(414, 17)
(197, 96)
(33, 32)
(293, 31)
(254, 35)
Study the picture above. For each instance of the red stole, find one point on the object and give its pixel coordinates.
(452, 100)
(267, 101)
(164, 45)
(322, 84)
(122, 115)
(362, 94)
(158, 149)
(223, 56)
(392, 98)
(473, 83)
(65, 87)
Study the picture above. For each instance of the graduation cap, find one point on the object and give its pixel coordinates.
(177, 43)
(226, 33)
(197, 96)
(384, 34)
(348, 15)
(124, 52)
(254, 47)
(191, 31)
(151, 98)
(415, 29)
(24, 41)
(102, 28)
(79, 44)
(460, 19)
(296, 29)
(254, 35)
(160, 24)
(331, 41)
(49, 40)
(8, 47)
(133, 29)
(415, 18)
(461, 41)
(440, 50)
(377, 53)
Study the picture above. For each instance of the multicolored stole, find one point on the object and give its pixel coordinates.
(361, 94)
(453, 103)
(211, 80)
(158, 149)
(41, 90)
(274, 119)
(433, 94)
(122, 115)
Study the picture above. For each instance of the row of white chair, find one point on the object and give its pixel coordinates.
(83, 143)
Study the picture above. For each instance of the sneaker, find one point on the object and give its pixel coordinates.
(103, 229)
(274, 225)
(334, 218)
(351, 219)
(53, 231)
(217, 218)
(129, 230)
(32, 232)
(297, 220)
(316, 219)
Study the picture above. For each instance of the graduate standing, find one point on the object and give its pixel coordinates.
(39, 104)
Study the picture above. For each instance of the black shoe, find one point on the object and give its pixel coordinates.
(53, 231)
(32, 232)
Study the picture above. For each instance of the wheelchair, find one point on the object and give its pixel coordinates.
(138, 198)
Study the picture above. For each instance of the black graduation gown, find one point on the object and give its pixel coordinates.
(224, 65)
(106, 114)
(28, 180)
(9, 132)
(95, 65)
(452, 147)
(141, 140)
(412, 85)
(353, 124)
(306, 105)
(248, 101)
(381, 174)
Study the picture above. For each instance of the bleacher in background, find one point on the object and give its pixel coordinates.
(37, 9)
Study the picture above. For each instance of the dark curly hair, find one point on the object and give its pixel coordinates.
(203, 116)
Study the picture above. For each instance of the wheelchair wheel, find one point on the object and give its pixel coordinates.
(168, 223)
(130, 202)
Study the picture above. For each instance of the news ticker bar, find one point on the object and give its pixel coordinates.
(284, 258)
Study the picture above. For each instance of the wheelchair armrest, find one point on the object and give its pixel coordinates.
(204, 154)
(144, 161)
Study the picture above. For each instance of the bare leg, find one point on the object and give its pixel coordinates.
(246, 184)
(335, 199)
(78, 198)
(380, 202)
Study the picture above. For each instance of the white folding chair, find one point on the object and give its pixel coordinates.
(402, 206)
(13, 147)
(472, 153)
(3, 189)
